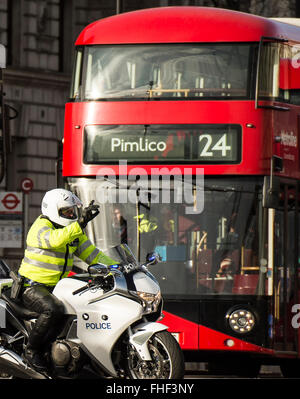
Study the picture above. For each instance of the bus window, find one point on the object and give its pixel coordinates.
(275, 75)
(214, 252)
(285, 265)
(173, 71)
(269, 70)
(76, 79)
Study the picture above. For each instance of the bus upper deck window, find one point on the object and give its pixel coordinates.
(76, 79)
(269, 70)
(174, 71)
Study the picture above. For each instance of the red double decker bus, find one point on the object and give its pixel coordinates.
(183, 123)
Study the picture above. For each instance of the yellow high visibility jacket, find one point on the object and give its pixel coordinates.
(50, 251)
(146, 225)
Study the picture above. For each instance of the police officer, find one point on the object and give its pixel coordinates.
(52, 241)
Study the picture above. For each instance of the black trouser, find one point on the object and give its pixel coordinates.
(39, 299)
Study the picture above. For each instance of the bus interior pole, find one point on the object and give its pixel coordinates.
(271, 220)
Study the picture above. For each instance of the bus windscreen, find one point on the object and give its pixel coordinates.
(177, 71)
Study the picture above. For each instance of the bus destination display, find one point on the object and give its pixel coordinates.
(156, 143)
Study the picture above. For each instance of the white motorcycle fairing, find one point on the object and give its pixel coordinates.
(103, 317)
(142, 333)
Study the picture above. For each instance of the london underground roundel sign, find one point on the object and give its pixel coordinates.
(10, 202)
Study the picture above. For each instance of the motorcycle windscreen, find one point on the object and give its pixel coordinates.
(122, 254)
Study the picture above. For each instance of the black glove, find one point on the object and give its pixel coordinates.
(88, 214)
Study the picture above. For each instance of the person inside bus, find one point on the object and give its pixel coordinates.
(167, 226)
(147, 227)
(228, 246)
(52, 241)
(120, 226)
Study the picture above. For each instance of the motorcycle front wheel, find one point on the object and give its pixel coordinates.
(167, 359)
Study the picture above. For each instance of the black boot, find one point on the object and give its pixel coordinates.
(35, 358)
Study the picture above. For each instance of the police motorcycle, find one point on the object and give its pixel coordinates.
(109, 328)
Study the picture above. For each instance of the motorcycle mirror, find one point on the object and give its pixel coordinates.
(98, 269)
(152, 258)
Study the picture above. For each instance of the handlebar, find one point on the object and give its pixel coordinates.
(114, 269)
(81, 289)
(81, 275)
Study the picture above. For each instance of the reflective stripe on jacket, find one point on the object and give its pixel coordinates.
(50, 251)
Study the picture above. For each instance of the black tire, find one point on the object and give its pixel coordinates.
(167, 363)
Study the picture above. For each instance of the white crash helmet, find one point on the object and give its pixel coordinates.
(61, 206)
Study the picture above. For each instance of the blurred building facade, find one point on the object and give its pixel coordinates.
(39, 36)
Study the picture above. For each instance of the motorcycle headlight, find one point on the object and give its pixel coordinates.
(149, 301)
